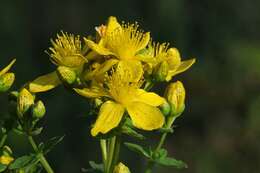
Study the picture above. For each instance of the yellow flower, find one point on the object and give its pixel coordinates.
(67, 52)
(161, 53)
(6, 160)
(6, 78)
(175, 95)
(122, 42)
(127, 96)
(121, 168)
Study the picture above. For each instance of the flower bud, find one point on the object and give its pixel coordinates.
(165, 108)
(6, 81)
(6, 157)
(161, 71)
(38, 110)
(24, 102)
(66, 74)
(175, 95)
(6, 160)
(121, 168)
(7, 151)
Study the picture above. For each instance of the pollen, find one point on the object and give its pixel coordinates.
(120, 89)
(127, 40)
(65, 45)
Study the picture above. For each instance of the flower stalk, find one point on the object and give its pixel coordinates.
(42, 159)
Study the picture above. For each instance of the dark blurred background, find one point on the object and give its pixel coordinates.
(220, 129)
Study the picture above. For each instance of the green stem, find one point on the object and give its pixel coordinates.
(150, 164)
(116, 153)
(113, 153)
(43, 161)
(103, 145)
(112, 143)
(2, 142)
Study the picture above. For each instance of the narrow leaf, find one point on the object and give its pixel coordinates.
(49, 145)
(21, 162)
(168, 161)
(137, 148)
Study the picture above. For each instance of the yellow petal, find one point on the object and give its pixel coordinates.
(44, 83)
(107, 65)
(112, 24)
(90, 92)
(131, 69)
(149, 98)
(144, 116)
(185, 65)
(173, 58)
(7, 68)
(109, 117)
(144, 42)
(99, 72)
(97, 48)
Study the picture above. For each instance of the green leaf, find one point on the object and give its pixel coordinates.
(49, 145)
(96, 166)
(162, 153)
(168, 161)
(2, 167)
(131, 132)
(37, 131)
(21, 162)
(166, 130)
(137, 148)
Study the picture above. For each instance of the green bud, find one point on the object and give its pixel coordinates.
(38, 110)
(7, 151)
(161, 71)
(66, 74)
(24, 102)
(165, 108)
(6, 81)
(121, 168)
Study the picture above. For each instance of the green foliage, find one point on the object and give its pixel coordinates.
(138, 149)
(27, 163)
(2, 167)
(95, 167)
(160, 157)
(50, 144)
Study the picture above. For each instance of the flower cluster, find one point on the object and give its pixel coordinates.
(117, 67)
(116, 70)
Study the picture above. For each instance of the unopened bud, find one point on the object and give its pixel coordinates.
(6, 81)
(7, 151)
(24, 102)
(165, 108)
(161, 71)
(121, 168)
(6, 157)
(6, 160)
(38, 110)
(66, 74)
(175, 95)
